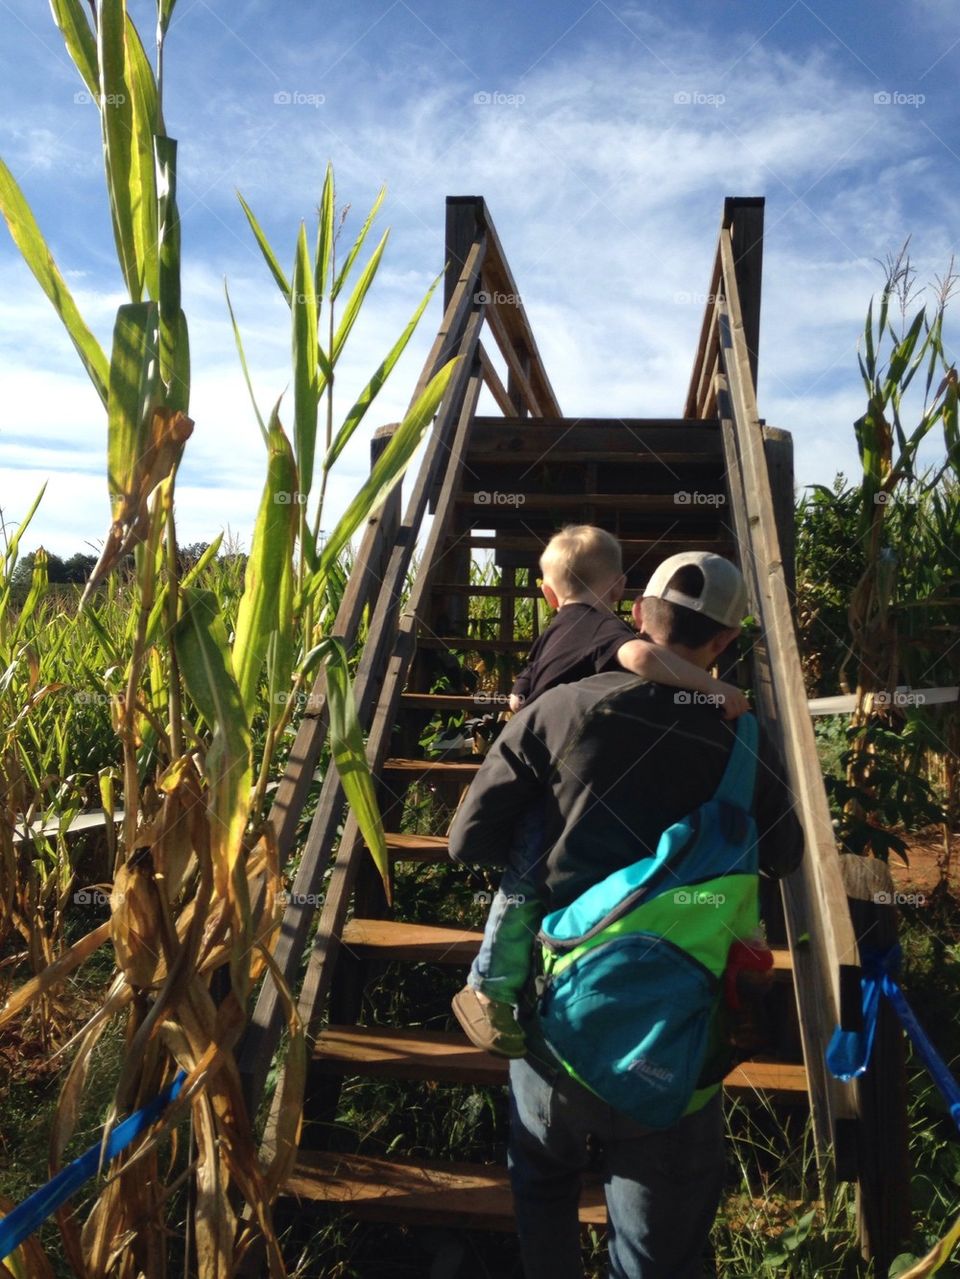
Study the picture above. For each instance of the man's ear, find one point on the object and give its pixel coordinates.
(636, 612)
(550, 595)
(723, 640)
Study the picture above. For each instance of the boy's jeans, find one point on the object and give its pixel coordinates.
(662, 1187)
(502, 965)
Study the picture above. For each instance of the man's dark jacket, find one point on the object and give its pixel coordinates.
(614, 760)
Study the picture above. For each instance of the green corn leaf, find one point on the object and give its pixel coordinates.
(116, 114)
(372, 389)
(387, 471)
(164, 14)
(868, 343)
(39, 580)
(357, 244)
(305, 351)
(200, 641)
(71, 18)
(269, 567)
(206, 558)
(168, 231)
(350, 755)
(143, 175)
(243, 364)
(325, 234)
(13, 547)
(178, 388)
(33, 248)
(134, 379)
(268, 254)
(352, 309)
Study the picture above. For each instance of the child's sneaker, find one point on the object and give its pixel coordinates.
(489, 1024)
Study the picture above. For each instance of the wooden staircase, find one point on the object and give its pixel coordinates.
(497, 488)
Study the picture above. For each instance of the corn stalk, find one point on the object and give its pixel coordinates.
(187, 703)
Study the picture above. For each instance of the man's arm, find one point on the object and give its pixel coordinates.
(514, 774)
(660, 665)
(778, 827)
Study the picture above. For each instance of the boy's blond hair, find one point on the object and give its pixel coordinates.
(581, 558)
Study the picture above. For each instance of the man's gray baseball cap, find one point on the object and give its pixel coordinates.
(724, 594)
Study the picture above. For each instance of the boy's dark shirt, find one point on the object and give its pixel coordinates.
(614, 760)
(580, 641)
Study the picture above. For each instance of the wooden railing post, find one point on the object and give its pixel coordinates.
(883, 1190)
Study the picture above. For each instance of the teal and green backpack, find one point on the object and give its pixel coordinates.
(632, 968)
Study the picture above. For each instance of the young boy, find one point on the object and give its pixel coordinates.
(582, 578)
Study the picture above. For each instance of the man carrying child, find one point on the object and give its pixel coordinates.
(581, 784)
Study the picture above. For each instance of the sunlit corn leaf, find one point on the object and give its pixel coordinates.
(29, 240)
(74, 23)
(935, 1258)
(349, 753)
(205, 663)
(143, 181)
(10, 559)
(305, 348)
(355, 301)
(269, 570)
(243, 365)
(39, 579)
(325, 234)
(65, 963)
(387, 471)
(124, 102)
(372, 389)
(268, 254)
(351, 257)
(168, 231)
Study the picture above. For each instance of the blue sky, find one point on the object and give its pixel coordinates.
(613, 134)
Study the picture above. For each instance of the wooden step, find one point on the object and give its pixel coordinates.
(565, 453)
(480, 703)
(412, 943)
(419, 1192)
(475, 643)
(448, 1057)
(417, 848)
(442, 944)
(438, 768)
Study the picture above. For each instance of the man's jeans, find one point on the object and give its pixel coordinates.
(502, 965)
(662, 1187)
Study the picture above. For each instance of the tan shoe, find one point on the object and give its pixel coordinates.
(490, 1026)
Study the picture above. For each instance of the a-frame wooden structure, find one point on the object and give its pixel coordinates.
(623, 474)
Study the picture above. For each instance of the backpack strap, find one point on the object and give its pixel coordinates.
(736, 785)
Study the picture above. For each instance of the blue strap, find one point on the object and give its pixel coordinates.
(736, 785)
(848, 1054)
(26, 1217)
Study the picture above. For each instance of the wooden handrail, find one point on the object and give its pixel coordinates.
(817, 917)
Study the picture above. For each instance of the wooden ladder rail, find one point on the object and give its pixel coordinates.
(819, 928)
